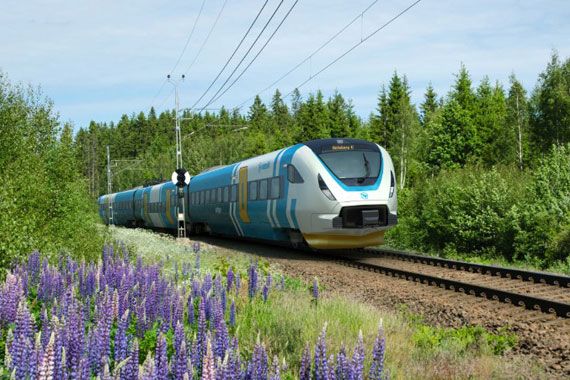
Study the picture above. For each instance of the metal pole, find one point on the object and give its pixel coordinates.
(180, 211)
(109, 184)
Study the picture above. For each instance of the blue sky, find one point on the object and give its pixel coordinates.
(100, 59)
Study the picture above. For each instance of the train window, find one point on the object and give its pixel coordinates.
(202, 195)
(207, 197)
(233, 195)
(219, 198)
(252, 191)
(293, 174)
(226, 194)
(275, 188)
(263, 189)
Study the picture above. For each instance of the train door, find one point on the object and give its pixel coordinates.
(242, 194)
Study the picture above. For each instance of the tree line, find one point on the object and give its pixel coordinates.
(485, 133)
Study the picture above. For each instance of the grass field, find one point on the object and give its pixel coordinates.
(293, 318)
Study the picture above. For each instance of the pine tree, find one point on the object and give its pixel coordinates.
(258, 114)
(550, 116)
(313, 119)
(429, 106)
(517, 118)
(379, 122)
(338, 116)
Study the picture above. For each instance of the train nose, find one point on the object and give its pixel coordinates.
(361, 217)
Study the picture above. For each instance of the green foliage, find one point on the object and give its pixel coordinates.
(543, 221)
(43, 199)
(466, 339)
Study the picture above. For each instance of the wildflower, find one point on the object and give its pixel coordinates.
(229, 279)
(321, 364)
(357, 365)
(305, 370)
(315, 290)
(252, 283)
(265, 292)
(160, 359)
(208, 368)
(377, 366)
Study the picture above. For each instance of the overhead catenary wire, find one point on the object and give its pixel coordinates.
(356, 45)
(235, 50)
(244, 56)
(310, 56)
(207, 38)
(218, 16)
(182, 53)
(189, 37)
(214, 99)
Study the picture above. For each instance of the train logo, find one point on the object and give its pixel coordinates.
(364, 195)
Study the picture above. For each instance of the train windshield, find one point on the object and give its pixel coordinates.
(354, 162)
(353, 167)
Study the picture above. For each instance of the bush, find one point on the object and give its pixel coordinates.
(43, 199)
(496, 213)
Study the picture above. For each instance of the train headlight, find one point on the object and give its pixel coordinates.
(325, 189)
(392, 185)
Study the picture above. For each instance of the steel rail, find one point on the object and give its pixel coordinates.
(529, 302)
(492, 270)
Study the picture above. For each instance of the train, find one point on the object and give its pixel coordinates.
(322, 194)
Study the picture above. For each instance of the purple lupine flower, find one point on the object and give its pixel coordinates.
(321, 363)
(269, 280)
(46, 369)
(190, 310)
(357, 365)
(208, 366)
(222, 336)
(342, 365)
(233, 314)
(195, 288)
(34, 267)
(10, 295)
(121, 342)
(74, 334)
(160, 359)
(377, 367)
(315, 290)
(207, 284)
(200, 343)
(305, 369)
(265, 292)
(196, 246)
(180, 361)
(229, 279)
(259, 363)
(252, 280)
(148, 369)
(218, 284)
(238, 283)
(282, 282)
(131, 369)
(223, 300)
(275, 373)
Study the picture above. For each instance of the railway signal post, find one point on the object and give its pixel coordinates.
(181, 178)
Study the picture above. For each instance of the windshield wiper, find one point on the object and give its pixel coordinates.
(367, 167)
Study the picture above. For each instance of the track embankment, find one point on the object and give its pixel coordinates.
(542, 336)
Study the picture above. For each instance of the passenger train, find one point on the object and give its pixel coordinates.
(324, 194)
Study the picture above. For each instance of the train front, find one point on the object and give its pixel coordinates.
(349, 198)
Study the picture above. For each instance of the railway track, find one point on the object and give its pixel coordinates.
(545, 292)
